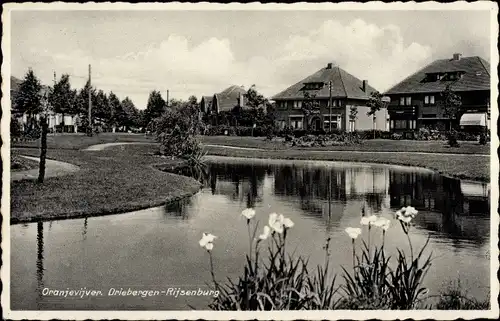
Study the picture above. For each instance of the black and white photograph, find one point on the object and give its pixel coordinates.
(249, 161)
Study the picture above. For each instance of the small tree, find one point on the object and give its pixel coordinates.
(375, 103)
(28, 99)
(156, 106)
(62, 97)
(353, 114)
(451, 103)
(308, 106)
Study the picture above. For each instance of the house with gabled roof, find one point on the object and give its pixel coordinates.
(416, 101)
(348, 94)
(229, 98)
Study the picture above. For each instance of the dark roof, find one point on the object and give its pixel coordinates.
(14, 83)
(228, 98)
(207, 99)
(476, 76)
(343, 85)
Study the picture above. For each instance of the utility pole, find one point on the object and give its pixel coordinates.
(90, 102)
(330, 103)
(168, 92)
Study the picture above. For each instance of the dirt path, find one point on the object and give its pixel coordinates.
(52, 168)
(106, 145)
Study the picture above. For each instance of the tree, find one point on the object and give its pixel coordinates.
(83, 102)
(308, 106)
(28, 99)
(451, 103)
(156, 106)
(375, 103)
(131, 113)
(102, 108)
(63, 98)
(118, 114)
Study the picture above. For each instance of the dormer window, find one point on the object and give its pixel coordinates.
(313, 85)
(444, 76)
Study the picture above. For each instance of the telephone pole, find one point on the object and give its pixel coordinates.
(330, 103)
(90, 102)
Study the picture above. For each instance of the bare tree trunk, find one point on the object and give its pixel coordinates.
(43, 150)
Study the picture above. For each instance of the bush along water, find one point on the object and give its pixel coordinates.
(273, 279)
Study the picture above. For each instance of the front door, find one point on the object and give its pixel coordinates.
(316, 123)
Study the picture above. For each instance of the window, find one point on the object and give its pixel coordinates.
(402, 101)
(408, 101)
(336, 122)
(282, 124)
(334, 103)
(431, 100)
(426, 100)
(352, 125)
(400, 124)
(297, 104)
(296, 122)
(282, 105)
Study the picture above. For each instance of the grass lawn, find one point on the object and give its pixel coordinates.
(459, 166)
(381, 145)
(79, 141)
(115, 180)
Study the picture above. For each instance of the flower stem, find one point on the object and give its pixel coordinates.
(353, 254)
(212, 270)
(249, 239)
(411, 247)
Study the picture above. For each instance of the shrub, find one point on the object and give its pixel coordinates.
(396, 136)
(482, 139)
(452, 137)
(423, 134)
(368, 134)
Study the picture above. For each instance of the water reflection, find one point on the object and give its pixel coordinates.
(448, 206)
(39, 260)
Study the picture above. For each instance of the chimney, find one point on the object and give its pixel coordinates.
(457, 56)
(241, 100)
(365, 85)
(329, 65)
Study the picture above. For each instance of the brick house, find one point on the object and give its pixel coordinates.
(416, 101)
(224, 101)
(347, 93)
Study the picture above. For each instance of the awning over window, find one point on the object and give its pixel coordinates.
(475, 189)
(473, 120)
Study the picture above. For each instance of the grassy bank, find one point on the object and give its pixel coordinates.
(380, 145)
(22, 164)
(459, 166)
(112, 181)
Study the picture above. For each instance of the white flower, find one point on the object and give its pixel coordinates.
(353, 232)
(206, 241)
(406, 214)
(288, 223)
(368, 220)
(411, 211)
(248, 213)
(266, 233)
(276, 222)
(383, 223)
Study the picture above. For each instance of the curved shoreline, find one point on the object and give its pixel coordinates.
(191, 188)
(85, 214)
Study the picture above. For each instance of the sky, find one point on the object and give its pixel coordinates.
(203, 52)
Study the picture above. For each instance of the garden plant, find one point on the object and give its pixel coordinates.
(273, 279)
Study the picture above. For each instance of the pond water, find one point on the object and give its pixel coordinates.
(157, 249)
